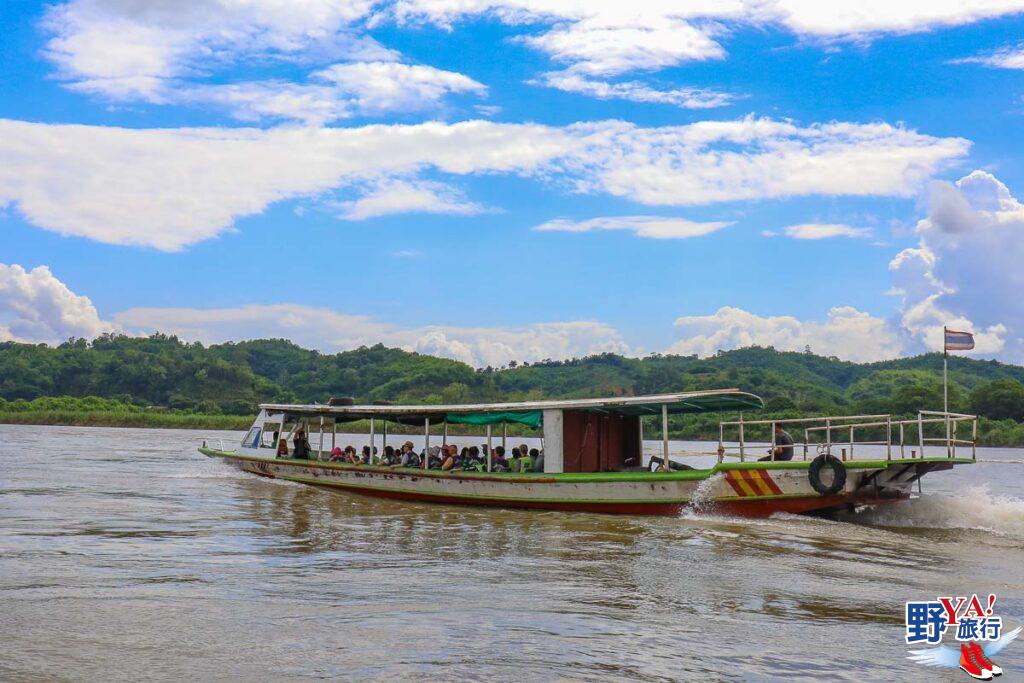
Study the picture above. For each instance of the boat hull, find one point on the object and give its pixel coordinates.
(750, 489)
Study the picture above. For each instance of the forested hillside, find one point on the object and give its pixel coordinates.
(161, 371)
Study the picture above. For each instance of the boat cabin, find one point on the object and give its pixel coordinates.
(578, 435)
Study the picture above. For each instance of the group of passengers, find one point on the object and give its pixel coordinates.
(448, 458)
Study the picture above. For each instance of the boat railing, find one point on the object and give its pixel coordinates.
(838, 435)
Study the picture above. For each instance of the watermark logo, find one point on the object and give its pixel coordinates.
(968, 621)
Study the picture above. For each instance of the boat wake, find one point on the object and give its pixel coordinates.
(975, 508)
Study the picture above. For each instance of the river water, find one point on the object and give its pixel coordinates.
(125, 555)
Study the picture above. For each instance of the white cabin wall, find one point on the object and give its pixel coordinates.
(553, 426)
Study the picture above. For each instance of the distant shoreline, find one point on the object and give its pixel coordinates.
(145, 419)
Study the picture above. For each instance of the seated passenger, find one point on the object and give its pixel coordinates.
(475, 462)
(538, 460)
(409, 457)
(351, 457)
(435, 458)
(300, 444)
(499, 463)
(388, 458)
(368, 458)
(337, 455)
(783, 445)
(282, 448)
(451, 461)
(525, 462)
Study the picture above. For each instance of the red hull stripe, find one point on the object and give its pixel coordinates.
(767, 479)
(729, 477)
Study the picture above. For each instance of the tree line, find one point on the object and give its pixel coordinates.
(164, 373)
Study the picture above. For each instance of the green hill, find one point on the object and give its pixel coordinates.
(163, 373)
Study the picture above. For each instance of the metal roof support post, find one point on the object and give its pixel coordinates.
(974, 439)
(903, 438)
(640, 431)
(371, 441)
(488, 448)
(773, 441)
(334, 434)
(828, 436)
(444, 441)
(721, 442)
(504, 436)
(320, 451)
(741, 438)
(920, 431)
(888, 438)
(664, 436)
(426, 442)
(851, 442)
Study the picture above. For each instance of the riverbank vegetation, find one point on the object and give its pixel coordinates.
(160, 381)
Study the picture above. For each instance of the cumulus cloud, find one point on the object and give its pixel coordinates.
(400, 196)
(37, 307)
(331, 331)
(171, 188)
(820, 231)
(634, 91)
(847, 333)
(966, 270)
(656, 227)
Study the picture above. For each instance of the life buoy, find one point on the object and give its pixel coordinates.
(838, 474)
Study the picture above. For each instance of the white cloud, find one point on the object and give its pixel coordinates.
(718, 161)
(389, 86)
(338, 92)
(400, 196)
(604, 37)
(966, 271)
(847, 333)
(1005, 58)
(331, 331)
(656, 227)
(171, 188)
(634, 91)
(162, 51)
(156, 50)
(820, 231)
(37, 307)
(597, 46)
(864, 18)
(131, 49)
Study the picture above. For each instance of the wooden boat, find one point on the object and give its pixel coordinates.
(594, 461)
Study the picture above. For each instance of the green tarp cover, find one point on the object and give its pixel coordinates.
(531, 418)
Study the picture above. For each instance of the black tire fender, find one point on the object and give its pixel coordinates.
(838, 474)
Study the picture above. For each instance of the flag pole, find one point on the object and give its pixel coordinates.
(945, 387)
(945, 373)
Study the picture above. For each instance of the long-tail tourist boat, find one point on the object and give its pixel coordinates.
(593, 455)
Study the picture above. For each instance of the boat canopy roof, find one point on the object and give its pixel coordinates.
(530, 412)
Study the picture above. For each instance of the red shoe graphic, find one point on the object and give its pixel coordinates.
(971, 665)
(983, 660)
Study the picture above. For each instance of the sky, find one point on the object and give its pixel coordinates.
(498, 180)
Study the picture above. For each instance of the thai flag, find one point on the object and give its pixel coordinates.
(959, 341)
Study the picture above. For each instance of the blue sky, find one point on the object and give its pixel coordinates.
(517, 179)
